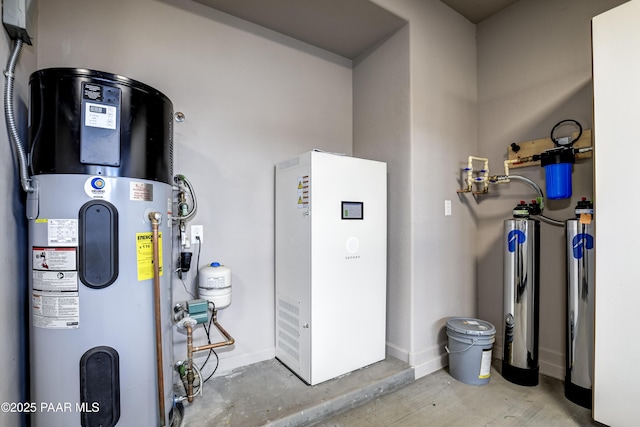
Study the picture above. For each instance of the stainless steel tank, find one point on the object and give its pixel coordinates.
(521, 297)
(580, 244)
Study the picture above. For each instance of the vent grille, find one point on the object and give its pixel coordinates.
(289, 163)
(288, 344)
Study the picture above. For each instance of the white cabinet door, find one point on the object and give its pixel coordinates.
(616, 79)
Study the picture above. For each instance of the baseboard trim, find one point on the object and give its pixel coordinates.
(431, 366)
(424, 362)
(397, 352)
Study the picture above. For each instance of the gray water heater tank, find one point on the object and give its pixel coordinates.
(101, 161)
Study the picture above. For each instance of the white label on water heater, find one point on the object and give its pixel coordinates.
(55, 310)
(55, 281)
(100, 115)
(62, 232)
(54, 259)
(55, 301)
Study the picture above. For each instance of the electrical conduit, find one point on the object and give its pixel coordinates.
(12, 128)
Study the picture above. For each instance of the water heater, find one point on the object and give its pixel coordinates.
(331, 264)
(580, 241)
(521, 297)
(101, 163)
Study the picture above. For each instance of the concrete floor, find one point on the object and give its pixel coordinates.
(383, 394)
(440, 400)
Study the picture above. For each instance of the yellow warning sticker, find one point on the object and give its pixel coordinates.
(144, 254)
(303, 191)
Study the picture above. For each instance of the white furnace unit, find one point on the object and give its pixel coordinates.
(331, 258)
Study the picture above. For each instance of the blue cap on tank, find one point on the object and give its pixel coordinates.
(215, 264)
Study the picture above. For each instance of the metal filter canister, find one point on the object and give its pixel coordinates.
(521, 298)
(580, 244)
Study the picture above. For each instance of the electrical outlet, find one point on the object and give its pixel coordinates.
(197, 231)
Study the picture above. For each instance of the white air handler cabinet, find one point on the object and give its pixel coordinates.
(331, 257)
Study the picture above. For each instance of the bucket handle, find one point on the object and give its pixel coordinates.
(461, 351)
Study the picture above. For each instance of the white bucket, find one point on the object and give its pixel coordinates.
(470, 348)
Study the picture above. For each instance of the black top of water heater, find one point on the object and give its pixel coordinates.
(96, 123)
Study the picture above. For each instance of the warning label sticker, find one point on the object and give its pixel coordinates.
(55, 280)
(55, 301)
(303, 192)
(55, 310)
(53, 259)
(144, 254)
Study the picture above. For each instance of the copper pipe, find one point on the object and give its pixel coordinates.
(191, 349)
(190, 363)
(228, 342)
(155, 221)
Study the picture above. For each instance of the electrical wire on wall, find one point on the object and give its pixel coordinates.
(207, 329)
(208, 332)
(12, 127)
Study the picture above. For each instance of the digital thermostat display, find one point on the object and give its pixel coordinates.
(352, 210)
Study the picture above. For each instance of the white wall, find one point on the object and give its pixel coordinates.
(382, 131)
(251, 97)
(13, 290)
(616, 71)
(436, 278)
(534, 69)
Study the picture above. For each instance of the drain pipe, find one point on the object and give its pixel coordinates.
(155, 218)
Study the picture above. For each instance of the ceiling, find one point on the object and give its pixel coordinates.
(344, 27)
(477, 11)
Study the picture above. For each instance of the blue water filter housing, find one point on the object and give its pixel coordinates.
(558, 166)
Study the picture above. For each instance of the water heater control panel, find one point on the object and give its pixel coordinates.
(100, 129)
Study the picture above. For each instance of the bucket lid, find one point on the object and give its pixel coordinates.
(470, 326)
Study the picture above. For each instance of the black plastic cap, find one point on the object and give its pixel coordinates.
(557, 156)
